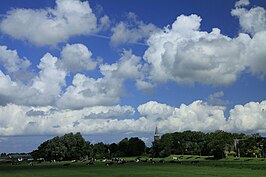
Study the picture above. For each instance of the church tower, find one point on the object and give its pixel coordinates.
(156, 135)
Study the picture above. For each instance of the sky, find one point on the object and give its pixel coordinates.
(115, 69)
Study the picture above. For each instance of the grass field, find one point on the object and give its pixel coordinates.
(202, 169)
(228, 167)
(134, 171)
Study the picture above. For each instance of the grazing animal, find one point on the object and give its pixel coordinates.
(109, 163)
(73, 161)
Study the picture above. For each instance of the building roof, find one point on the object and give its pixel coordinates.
(21, 156)
(156, 131)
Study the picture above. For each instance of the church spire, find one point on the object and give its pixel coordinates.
(156, 134)
(156, 131)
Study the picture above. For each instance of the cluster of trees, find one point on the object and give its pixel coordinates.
(126, 147)
(73, 146)
(68, 147)
(217, 144)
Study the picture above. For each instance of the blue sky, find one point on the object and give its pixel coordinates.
(111, 69)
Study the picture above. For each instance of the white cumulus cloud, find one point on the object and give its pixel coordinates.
(255, 55)
(155, 110)
(107, 90)
(77, 58)
(43, 89)
(250, 117)
(185, 54)
(11, 61)
(200, 116)
(50, 26)
(251, 20)
(195, 116)
(85, 91)
(50, 79)
(48, 85)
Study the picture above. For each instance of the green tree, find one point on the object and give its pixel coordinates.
(135, 147)
(3, 155)
(166, 145)
(113, 149)
(123, 147)
(68, 147)
(217, 142)
(100, 151)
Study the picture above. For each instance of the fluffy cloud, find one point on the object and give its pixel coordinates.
(185, 54)
(49, 120)
(155, 110)
(16, 92)
(242, 3)
(77, 58)
(132, 31)
(86, 91)
(106, 90)
(127, 67)
(50, 79)
(7, 87)
(50, 26)
(11, 61)
(196, 116)
(199, 116)
(255, 54)
(249, 117)
(43, 89)
(252, 20)
(47, 86)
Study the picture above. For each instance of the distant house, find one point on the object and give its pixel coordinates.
(20, 158)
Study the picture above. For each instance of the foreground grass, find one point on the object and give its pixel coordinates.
(212, 169)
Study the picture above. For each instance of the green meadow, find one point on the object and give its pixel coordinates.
(234, 167)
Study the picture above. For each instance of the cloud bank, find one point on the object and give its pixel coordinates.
(199, 116)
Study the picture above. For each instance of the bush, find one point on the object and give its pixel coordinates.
(218, 153)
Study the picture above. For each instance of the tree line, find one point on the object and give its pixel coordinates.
(217, 144)
(73, 147)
